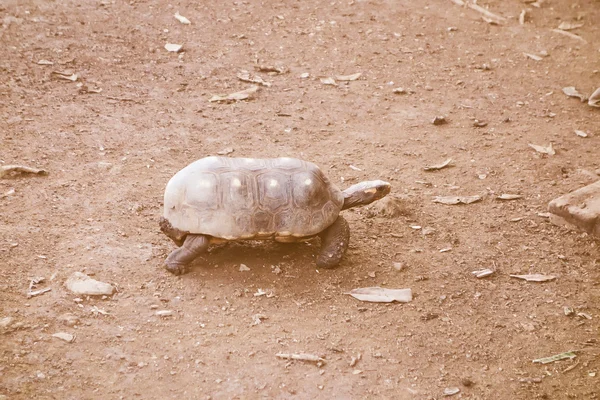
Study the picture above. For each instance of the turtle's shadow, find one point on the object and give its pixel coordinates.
(258, 252)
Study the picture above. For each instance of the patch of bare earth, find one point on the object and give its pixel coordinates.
(109, 154)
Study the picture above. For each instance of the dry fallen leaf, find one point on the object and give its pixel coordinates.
(65, 75)
(237, 96)
(594, 100)
(451, 391)
(381, 295)
(506, 196)
(533, 56)
(174, 48)
(572, 92)
(535, 277)
(436, 167)
(328, 81)
(245, 76)
(182, 19)
(567, 26)
(352, 77)
(483, 273)
(544, 150)
(452, 200)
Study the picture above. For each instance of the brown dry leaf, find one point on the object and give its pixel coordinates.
(567, 26)
(237, 96)
(346, 78)
(542, 149)
(452, 200)
(535, 277)
(572, 92)
(436, 167)
(594, 100)
(506, 196)
(245, 76)
(328, 81)
(173, 48)
(182, 19)
(381, 295)
(65, 75)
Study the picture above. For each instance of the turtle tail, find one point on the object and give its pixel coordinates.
(172, 233)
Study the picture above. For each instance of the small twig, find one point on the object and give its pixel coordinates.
(5, 169)
(124, 99)
(570, 367)
(497, 18)
(301, 357)
(485, 12)
(569, 34)
(38, 292)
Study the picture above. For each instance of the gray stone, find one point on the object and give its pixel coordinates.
(80, 283)
(579, 209)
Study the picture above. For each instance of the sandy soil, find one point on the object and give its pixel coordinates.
(110, 154)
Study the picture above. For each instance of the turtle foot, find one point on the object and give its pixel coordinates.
(334, 243)
(178, 261)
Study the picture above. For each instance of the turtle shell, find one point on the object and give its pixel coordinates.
(251, 198)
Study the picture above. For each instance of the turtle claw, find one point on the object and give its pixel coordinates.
(176, 269)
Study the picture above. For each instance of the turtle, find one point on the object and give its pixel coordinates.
(221, 199)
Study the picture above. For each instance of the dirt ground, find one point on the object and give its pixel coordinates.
(110, 154)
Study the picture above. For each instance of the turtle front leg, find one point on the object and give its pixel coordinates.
(180, 258)
(334, 243)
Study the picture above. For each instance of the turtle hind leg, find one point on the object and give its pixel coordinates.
(179, 259)
(334, 243)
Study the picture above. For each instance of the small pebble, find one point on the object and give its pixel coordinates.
(244, 267)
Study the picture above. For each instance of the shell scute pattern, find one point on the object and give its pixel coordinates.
(243, 198)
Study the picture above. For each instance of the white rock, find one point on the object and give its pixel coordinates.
(5, 322)
(80, 283)
(164, 313)
(244, 267)
(67, 337)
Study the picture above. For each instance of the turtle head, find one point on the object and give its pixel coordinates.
(364, 193)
